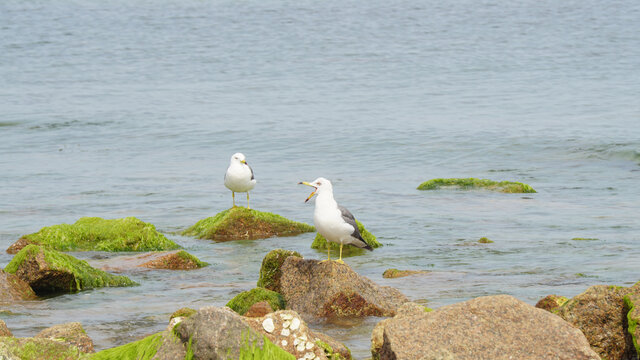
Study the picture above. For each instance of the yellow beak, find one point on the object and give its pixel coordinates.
(244, 161)
(314, 191)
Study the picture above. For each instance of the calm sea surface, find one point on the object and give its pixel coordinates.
(133, 108)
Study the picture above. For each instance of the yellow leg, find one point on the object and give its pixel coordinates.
(248, 200)
(233, 195)
(328, 252)
(340, 259)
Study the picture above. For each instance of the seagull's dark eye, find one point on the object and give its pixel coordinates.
(319, 183)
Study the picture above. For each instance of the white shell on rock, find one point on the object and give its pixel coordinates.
(267, 325)
(295, 324)
(309, 355)
(310, 345)
(284, 342)
(286, 324)
(303, 337)
(300, 346)
(285, 332)
(296, 341)
(286, 316)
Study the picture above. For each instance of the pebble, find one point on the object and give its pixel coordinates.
(267, 325)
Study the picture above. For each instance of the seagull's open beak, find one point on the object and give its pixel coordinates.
(314, 191)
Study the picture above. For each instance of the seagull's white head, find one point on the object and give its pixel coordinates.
(238, 157)
(320, 185)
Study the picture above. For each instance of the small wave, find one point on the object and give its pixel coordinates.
(70, 123)
(615, 151)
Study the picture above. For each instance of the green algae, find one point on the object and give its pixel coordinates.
(395, 273)
(633, 318)
(584, 239)
(191, 258)
(241, 223)
(243, 301)
(473, 183)
(320, 242)
(84, 276)
(144, 349)
(269, 351)
(485, 240)
(97, 234)
(328, 351)
(270, 272)
(38, 349)
(184, 312)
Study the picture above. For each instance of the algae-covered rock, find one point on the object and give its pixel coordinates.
(4, 330)
(49, 271)
(97, 234)
(485, 240)
(318, 290)
(321, 243)
(37, 349)
(12, 288)
(270, 271)
(184, 312)
(70, 333)
(144, 349)
(239, 223)
(169, 260)
(395, 273)
(632, 302)
(243, 301)
(259, 309)
(473, 183)
(551, 302)
(489, 327)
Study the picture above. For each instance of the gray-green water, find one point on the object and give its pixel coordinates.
(133, 108)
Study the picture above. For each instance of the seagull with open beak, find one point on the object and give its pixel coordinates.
(333, 221)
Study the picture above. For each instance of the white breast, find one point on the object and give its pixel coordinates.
(238, 178)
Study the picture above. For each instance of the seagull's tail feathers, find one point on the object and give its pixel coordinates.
(368, 247)
(362, 244)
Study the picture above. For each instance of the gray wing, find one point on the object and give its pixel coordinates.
(252, 177)
(347, 216)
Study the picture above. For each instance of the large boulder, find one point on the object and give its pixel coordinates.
(319, 242)
(70, 333)
(12, 288)
(601, 314)
(4, 330)
(97, 234)
(169, 260)
(490, 327)
(49, 271)
(240, 223)
(271, 269)
(332, 290)
(12, 348)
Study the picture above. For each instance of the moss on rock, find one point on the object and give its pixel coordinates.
(239, 223)
(395, 273)
(270, 272)
(97, 234)
(632, 302)
(144, 349)
(328, 351)
(49, 271)
(551, 302)
(184, 312)
(37, 349)
(473, 183)
(485, 240)
(180, 260)
(321, 243)
(243, 301)
(268, 351)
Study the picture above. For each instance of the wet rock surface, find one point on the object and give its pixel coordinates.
(271, 269)
(259, 309)
(331, 290)
(168, 260)
(4, 330)
(395, 273)
(71, 334)
(491, 327)
(12, 288)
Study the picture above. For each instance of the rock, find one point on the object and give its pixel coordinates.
(151, 347)
(321, 243)
(12, 348)
(4, 330)
(239, 223)
(170, 260)
(395, 273)
(96, 234)
(472, 183)
(184, 312)
(220, 333)
(602, 316)
(485, 240)
(49, 271)
(286, 329)
(12, 288)
(632, 302)
(259, 309)
(332, 290)
(71, 334)
(243, 301)
(270, 271)
(551, 302)
(490, 327)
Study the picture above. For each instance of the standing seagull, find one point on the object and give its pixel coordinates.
(239, 177)
(333, 221)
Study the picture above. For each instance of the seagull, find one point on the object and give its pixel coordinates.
(333, 221)
(239, 177)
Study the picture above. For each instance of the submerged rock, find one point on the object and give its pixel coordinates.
(97, 234)
(12, 288)
(4, 330)
(70, 333)
(243, 301)
(169, 260)
(395, 273)
(12, 348)
(321, 243)
(239, 223)
(601, 314)
(551, 302)
(490, 327)
(332, 290)
(50, 271)
(632, 302)
(270, 271)
(473, 183)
